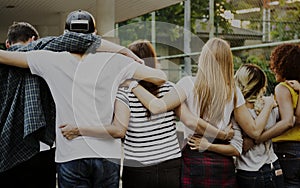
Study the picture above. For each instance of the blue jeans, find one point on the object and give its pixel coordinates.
(263, 178)
(289, 158)
(89, 173)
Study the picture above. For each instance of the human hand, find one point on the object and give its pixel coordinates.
(294, 84)
(199, 143)
(229, 132)
(129, 53)
(269, 101)
(248, 143)
(126, 83)
(69, 131)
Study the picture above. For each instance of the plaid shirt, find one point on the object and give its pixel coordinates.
(27, 113)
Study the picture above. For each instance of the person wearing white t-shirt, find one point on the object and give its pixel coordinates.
(258, 166)
(213, 96)
(84, 88)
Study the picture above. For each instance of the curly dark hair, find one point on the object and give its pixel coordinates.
(285, 61)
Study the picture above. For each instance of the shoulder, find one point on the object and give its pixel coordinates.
(282, 90)
(187, 80)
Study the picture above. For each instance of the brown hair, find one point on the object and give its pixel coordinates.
(21, 32)
(284, 61)
(144, 50)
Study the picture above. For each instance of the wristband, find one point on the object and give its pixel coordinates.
(132, 85)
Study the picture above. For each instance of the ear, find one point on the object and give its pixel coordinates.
(33, 38)
(95, 32)
(7, 44)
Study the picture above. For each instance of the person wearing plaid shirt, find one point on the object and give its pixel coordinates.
(27, 114)
(71, 77)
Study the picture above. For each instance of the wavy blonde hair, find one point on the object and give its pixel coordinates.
(214, 83)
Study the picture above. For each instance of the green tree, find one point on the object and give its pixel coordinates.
(175, 15)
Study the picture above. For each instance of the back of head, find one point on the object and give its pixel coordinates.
(252, 81)
(216, 57)
(214, 80)
(21, 32)
(144, 50)
(80, 21)
(285, 61)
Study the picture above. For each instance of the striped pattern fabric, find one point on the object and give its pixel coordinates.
(153, 139)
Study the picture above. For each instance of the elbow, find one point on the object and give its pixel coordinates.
(255, 136)
(160, 79)
(236, 153)
(119, 134)
(290, 123)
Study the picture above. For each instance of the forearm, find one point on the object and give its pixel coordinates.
(102, 132)
(168, 102)
(261, 122)
(17, 59)
(224, 149)
(149, 101)
(155, 76)
(279, 128)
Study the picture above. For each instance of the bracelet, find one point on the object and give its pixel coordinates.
(132, 85)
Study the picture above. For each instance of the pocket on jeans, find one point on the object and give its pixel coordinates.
(289, 167)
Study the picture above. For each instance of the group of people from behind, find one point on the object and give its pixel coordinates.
(224, 114)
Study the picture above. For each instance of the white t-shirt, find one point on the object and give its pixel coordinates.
(262, 153)
(187, 84)
(84, 92)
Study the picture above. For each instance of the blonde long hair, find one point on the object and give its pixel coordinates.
(214, 80)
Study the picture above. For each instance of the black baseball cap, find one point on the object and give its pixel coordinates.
(80, 21)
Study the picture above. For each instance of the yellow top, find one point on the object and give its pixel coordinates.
(292, 134)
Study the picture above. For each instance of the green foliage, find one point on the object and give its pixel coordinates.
(175, 15)
(285, 25)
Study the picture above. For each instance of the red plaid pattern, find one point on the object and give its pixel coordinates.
(207, 169)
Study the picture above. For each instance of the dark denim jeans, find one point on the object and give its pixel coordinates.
(289, 158)
(263, 178)
(162, 175)
(89, 173)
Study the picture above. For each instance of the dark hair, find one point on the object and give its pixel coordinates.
(80, 21)
(284, 61)
(144, 50)
(21, 32)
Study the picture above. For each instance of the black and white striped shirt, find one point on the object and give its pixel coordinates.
(153, 139)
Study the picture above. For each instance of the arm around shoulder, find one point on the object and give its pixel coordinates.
(17, 59)
(155, 76)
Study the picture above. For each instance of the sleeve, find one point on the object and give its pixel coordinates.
(122, 96)
(127, 66)
(240, 98)
(39, 61)
(185, 84)
(237, 140)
